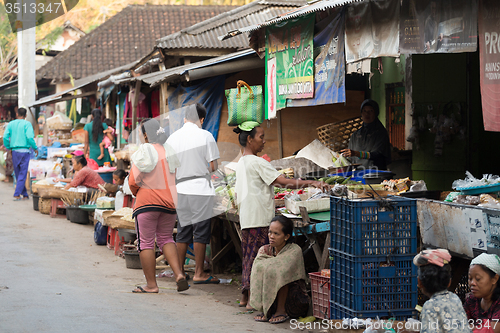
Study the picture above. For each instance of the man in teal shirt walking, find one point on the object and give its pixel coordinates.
(19, 137)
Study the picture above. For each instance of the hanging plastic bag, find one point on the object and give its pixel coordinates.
(92, 164)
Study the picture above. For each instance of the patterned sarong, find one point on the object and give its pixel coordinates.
(251, 241)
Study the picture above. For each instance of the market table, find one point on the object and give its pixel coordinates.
(310, 231)
(229, 221)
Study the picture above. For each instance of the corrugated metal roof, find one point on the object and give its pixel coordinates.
(170, 74)
(310, 8)
(205, 34)
(8, 85)
(78, 84)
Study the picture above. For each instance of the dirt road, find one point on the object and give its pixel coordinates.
(54, 278)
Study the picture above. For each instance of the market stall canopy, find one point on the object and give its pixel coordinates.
(238, 61)
(8, 85)
(79, 84)
(304, 10)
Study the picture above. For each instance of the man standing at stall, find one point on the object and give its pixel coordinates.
(198, 153)
(19, 137)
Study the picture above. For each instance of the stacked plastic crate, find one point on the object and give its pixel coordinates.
(372, 247)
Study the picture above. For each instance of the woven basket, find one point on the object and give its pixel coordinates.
(57, 193)
(44, 205)
(35, 187)
(61, 126)
(336, 135)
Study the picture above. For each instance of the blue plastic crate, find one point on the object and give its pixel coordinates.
(338, 311)
(373, 227)
(371, 285)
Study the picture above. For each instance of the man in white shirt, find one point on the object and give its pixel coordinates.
(198, 153)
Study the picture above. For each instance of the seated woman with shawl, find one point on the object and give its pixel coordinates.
(277, 282)
(370, 145)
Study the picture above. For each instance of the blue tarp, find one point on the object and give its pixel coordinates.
(210, 93)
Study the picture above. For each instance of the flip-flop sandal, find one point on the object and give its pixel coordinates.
(182, 285)
(242, 304)
(279, 321)
(141, 290)
(210, 280)
(18, 199)
(263, 318)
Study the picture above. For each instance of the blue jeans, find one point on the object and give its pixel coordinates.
(21, 162)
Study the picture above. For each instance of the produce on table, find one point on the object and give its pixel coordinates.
(339, 160)
(288, 172)
(280, 193)
(339, 180)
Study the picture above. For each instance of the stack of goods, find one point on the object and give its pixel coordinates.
(59, 128)
(313, 200)
(121, 218)
(105, 203)
(478, 192)
(288, 172)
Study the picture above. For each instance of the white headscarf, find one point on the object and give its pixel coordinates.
(146, 158)
(489, 260)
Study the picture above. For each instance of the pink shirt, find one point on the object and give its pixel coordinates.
(86, 177)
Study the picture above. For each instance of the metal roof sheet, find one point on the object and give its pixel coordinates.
(170, 74)
(78, 84)
(304, 10)
(205, 34)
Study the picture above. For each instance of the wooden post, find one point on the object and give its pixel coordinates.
(163, 98)
(135, 103)
(280, 139)
(45, 134)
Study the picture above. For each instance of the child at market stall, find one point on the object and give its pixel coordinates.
(119, 176)
(106, 142)
(443, 312)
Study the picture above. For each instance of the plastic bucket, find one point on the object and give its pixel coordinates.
(77, 215)
(132, 259)
(35, 201)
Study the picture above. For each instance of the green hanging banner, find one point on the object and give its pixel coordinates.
(289, 62)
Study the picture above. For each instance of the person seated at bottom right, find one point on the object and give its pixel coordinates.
(277, 281)
(483, 304)
(443, 312)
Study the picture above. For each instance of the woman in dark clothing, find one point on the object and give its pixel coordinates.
(370, 145)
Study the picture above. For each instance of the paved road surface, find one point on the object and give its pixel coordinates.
(53, 278)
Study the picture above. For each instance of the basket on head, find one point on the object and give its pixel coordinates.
(336, 135)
